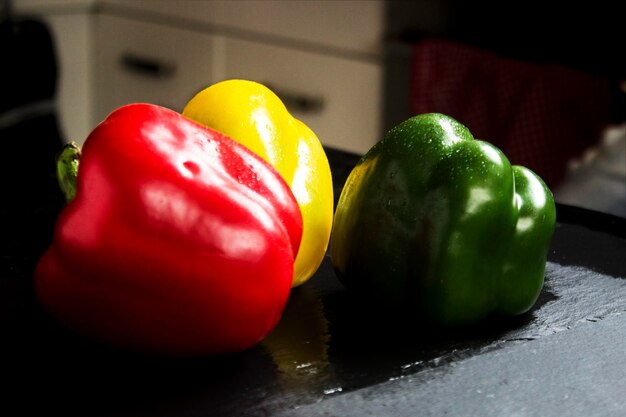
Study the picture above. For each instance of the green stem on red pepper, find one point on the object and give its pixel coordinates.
(67, 169)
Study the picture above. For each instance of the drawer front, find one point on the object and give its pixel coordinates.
(352, 27)
(339, 99)
(145, 62)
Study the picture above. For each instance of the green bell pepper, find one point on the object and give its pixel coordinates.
(432, 219)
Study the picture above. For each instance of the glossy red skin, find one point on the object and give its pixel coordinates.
(179, 241)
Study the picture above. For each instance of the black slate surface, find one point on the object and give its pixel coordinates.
(332, 355)
(578, 372)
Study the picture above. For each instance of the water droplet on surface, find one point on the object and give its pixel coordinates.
(330, 391)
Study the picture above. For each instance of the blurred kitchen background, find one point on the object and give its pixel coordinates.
(544, 81)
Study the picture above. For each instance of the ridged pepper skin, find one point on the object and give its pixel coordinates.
(179, 240)
(434, 220)
(253, 115)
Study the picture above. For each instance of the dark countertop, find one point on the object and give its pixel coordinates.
(333, 356)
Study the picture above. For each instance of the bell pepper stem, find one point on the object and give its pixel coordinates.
(67, 169)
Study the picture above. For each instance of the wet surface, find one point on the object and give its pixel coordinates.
(331, 354)
(570, 373)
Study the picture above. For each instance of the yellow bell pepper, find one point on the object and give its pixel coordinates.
(253, 115)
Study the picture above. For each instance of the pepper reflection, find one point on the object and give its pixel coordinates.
(299, 344)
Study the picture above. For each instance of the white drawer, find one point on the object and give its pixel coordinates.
(350, 91)
(145, 62)
(347, 25)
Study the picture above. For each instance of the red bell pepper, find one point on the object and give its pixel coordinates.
(178, 241)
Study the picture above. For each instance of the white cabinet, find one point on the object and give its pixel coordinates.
(323, 58)
(144, 62)
(338, 26)
(339, 99)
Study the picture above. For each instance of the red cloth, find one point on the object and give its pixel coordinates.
(539, 115)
